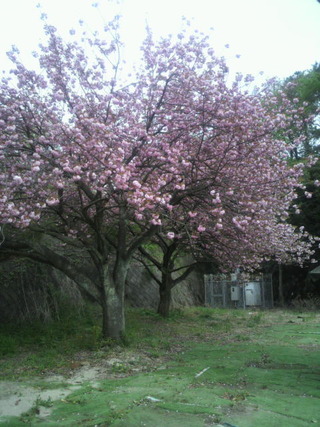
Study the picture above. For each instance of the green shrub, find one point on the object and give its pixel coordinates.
(8, 345)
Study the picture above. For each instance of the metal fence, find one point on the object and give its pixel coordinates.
(222, 292)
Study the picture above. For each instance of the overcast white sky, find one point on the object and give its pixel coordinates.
(277, 37)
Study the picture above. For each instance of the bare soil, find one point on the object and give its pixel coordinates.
(18, 397)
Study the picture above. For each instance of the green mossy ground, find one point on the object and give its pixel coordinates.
(263, 371)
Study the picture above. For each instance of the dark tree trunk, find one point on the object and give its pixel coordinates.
(165, 295)
(164, 303)
(280, 288)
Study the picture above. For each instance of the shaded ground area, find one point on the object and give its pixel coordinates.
(203, 368)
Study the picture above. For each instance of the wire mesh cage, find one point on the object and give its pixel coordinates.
(222, 291)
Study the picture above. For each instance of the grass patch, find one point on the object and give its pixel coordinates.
(30, 349)
(199, 367)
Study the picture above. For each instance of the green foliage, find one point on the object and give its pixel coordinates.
(8, 345)
(306, 89)
(309, 215)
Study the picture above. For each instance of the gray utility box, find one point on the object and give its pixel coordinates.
(253, 293)
(235, 293)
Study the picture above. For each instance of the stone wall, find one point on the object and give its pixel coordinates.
(143, 291)
(31, 291)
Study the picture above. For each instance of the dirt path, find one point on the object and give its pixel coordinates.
(19, 397)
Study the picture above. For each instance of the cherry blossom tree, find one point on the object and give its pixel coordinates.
(91, 168)
(230, 245)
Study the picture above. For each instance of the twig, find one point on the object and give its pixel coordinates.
(2, 234)
(202, 372)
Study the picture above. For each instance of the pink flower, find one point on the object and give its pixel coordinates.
(201, 228)
(17, 179)
(136, 184)
(192, 214)
(170, 235)
(52, 202)
(155, 221)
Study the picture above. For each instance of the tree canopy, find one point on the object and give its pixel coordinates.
(96, 168)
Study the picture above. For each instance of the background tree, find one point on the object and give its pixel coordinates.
(172, 266)
(304, 88)
(92, 169)
(305, 213)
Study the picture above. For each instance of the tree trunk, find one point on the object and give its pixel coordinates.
(280, 288)
(165, 295)
(164, 303)
(112, 300)
(113, 319)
